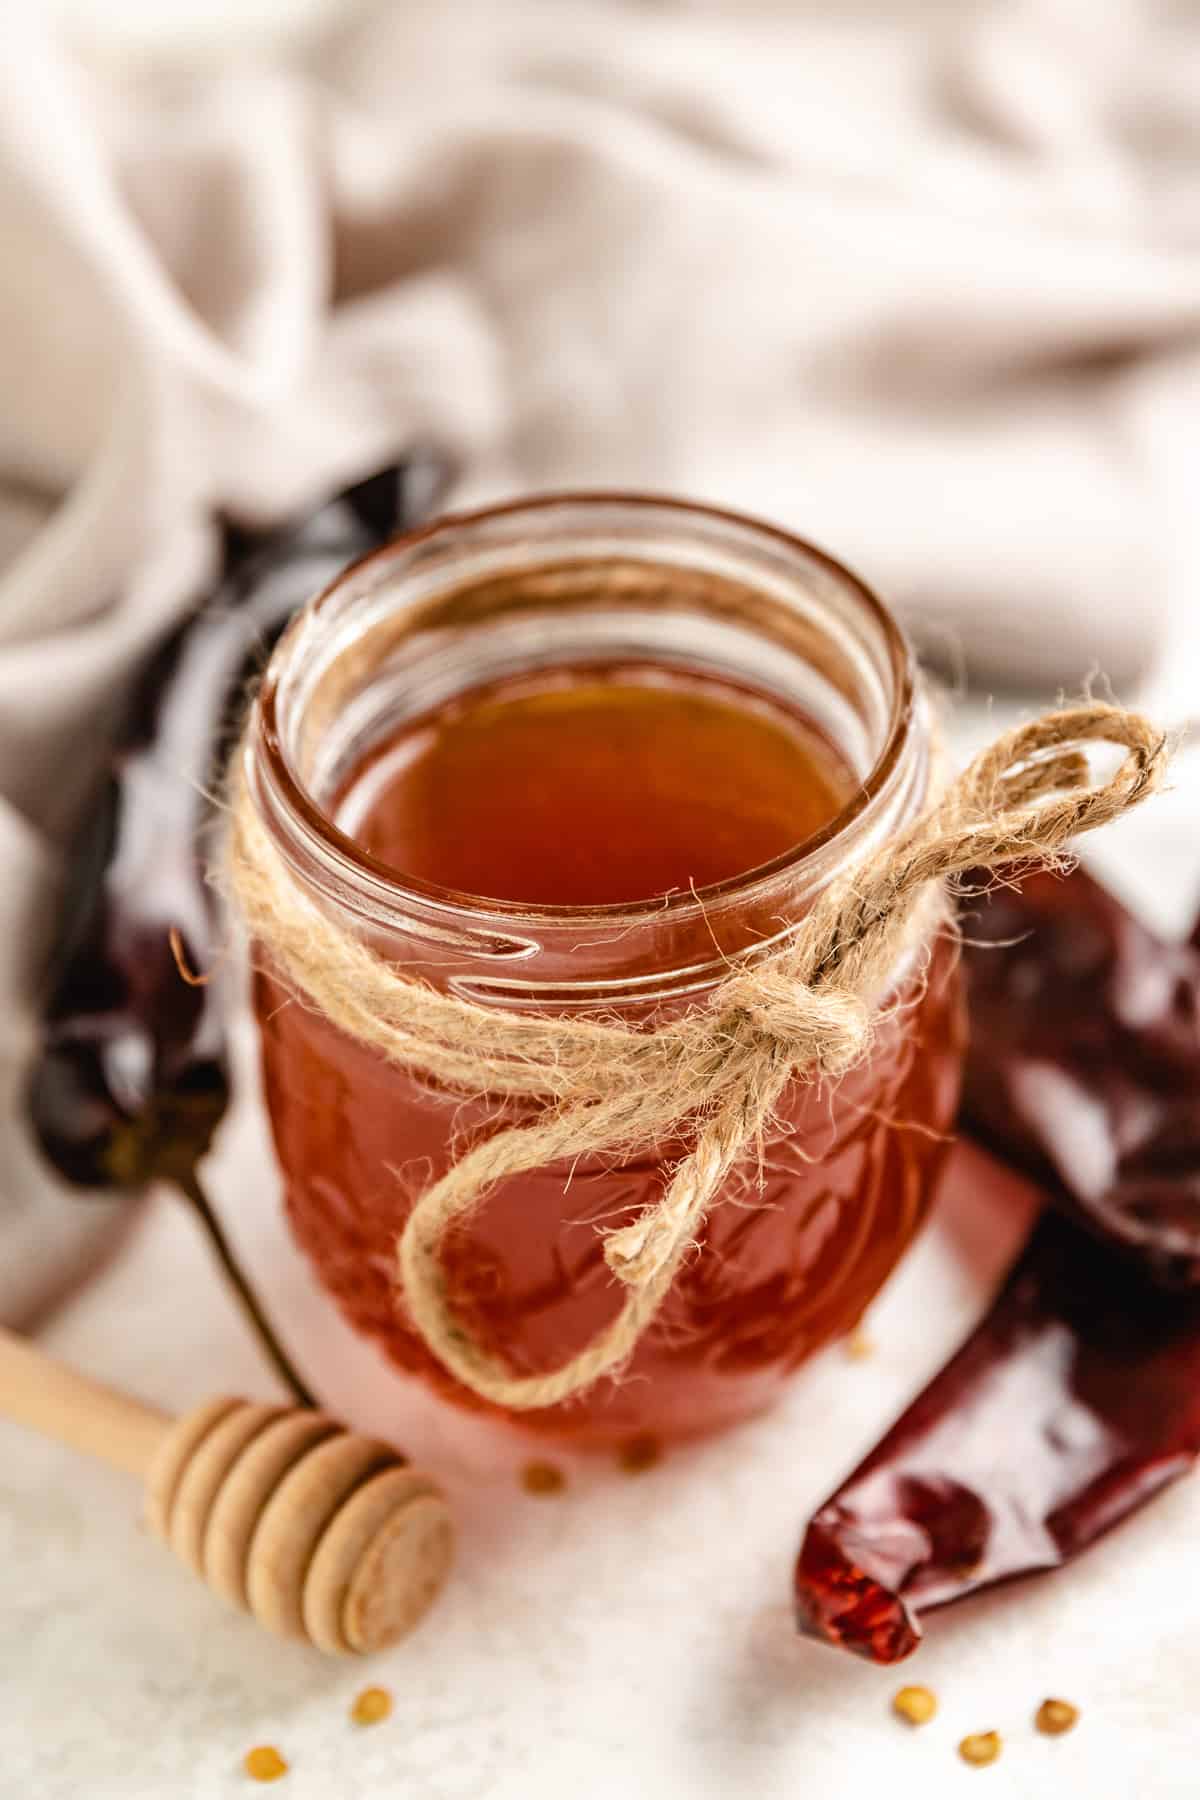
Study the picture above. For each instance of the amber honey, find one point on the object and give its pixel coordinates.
(593, 786)
(599, 786)
(570, 756)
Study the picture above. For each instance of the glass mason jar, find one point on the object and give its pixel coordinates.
(847, 1174)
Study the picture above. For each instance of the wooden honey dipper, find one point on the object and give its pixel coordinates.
(319, 1533)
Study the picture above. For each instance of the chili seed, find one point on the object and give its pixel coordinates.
(980, 1747)
(264, 1763)
(373, 1705)
(916, 1705)
(639, 1453)
(542, 1478)
(1056, 1716)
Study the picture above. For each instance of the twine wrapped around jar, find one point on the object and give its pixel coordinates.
(804, 1010)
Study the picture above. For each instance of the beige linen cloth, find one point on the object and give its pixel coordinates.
(921, 281)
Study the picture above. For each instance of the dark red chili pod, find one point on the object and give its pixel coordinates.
(1073, 1402)
(1084, 1062)
(131, 1080)
(1077, 1397)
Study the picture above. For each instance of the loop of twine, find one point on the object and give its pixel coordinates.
(805, 1009)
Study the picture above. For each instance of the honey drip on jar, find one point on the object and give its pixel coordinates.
(594, 787)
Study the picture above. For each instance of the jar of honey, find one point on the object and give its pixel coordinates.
(572, 755)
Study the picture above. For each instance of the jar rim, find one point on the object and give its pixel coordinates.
(352, 859)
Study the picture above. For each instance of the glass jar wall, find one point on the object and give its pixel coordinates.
(567, 595)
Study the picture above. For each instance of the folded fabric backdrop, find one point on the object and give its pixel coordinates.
(923, 283)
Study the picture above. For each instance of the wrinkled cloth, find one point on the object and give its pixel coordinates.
(921, 282)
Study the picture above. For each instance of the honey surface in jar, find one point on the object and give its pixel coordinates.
(593, 787)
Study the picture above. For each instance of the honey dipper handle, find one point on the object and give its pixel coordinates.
(46, 1395)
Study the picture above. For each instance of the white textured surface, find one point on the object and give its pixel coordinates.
(121, 27)
(630, 1637)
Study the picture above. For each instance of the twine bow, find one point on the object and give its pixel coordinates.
(804, 1010)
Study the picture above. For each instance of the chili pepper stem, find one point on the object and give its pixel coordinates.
(193, 1193)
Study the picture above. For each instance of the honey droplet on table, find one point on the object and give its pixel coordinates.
(373, 1705)
(264, 1763)
(1056, 1716)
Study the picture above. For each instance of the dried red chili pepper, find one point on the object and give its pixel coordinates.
(1084, 1067)
(131, 1080)
(1078, 1395)
(1074, 1401)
